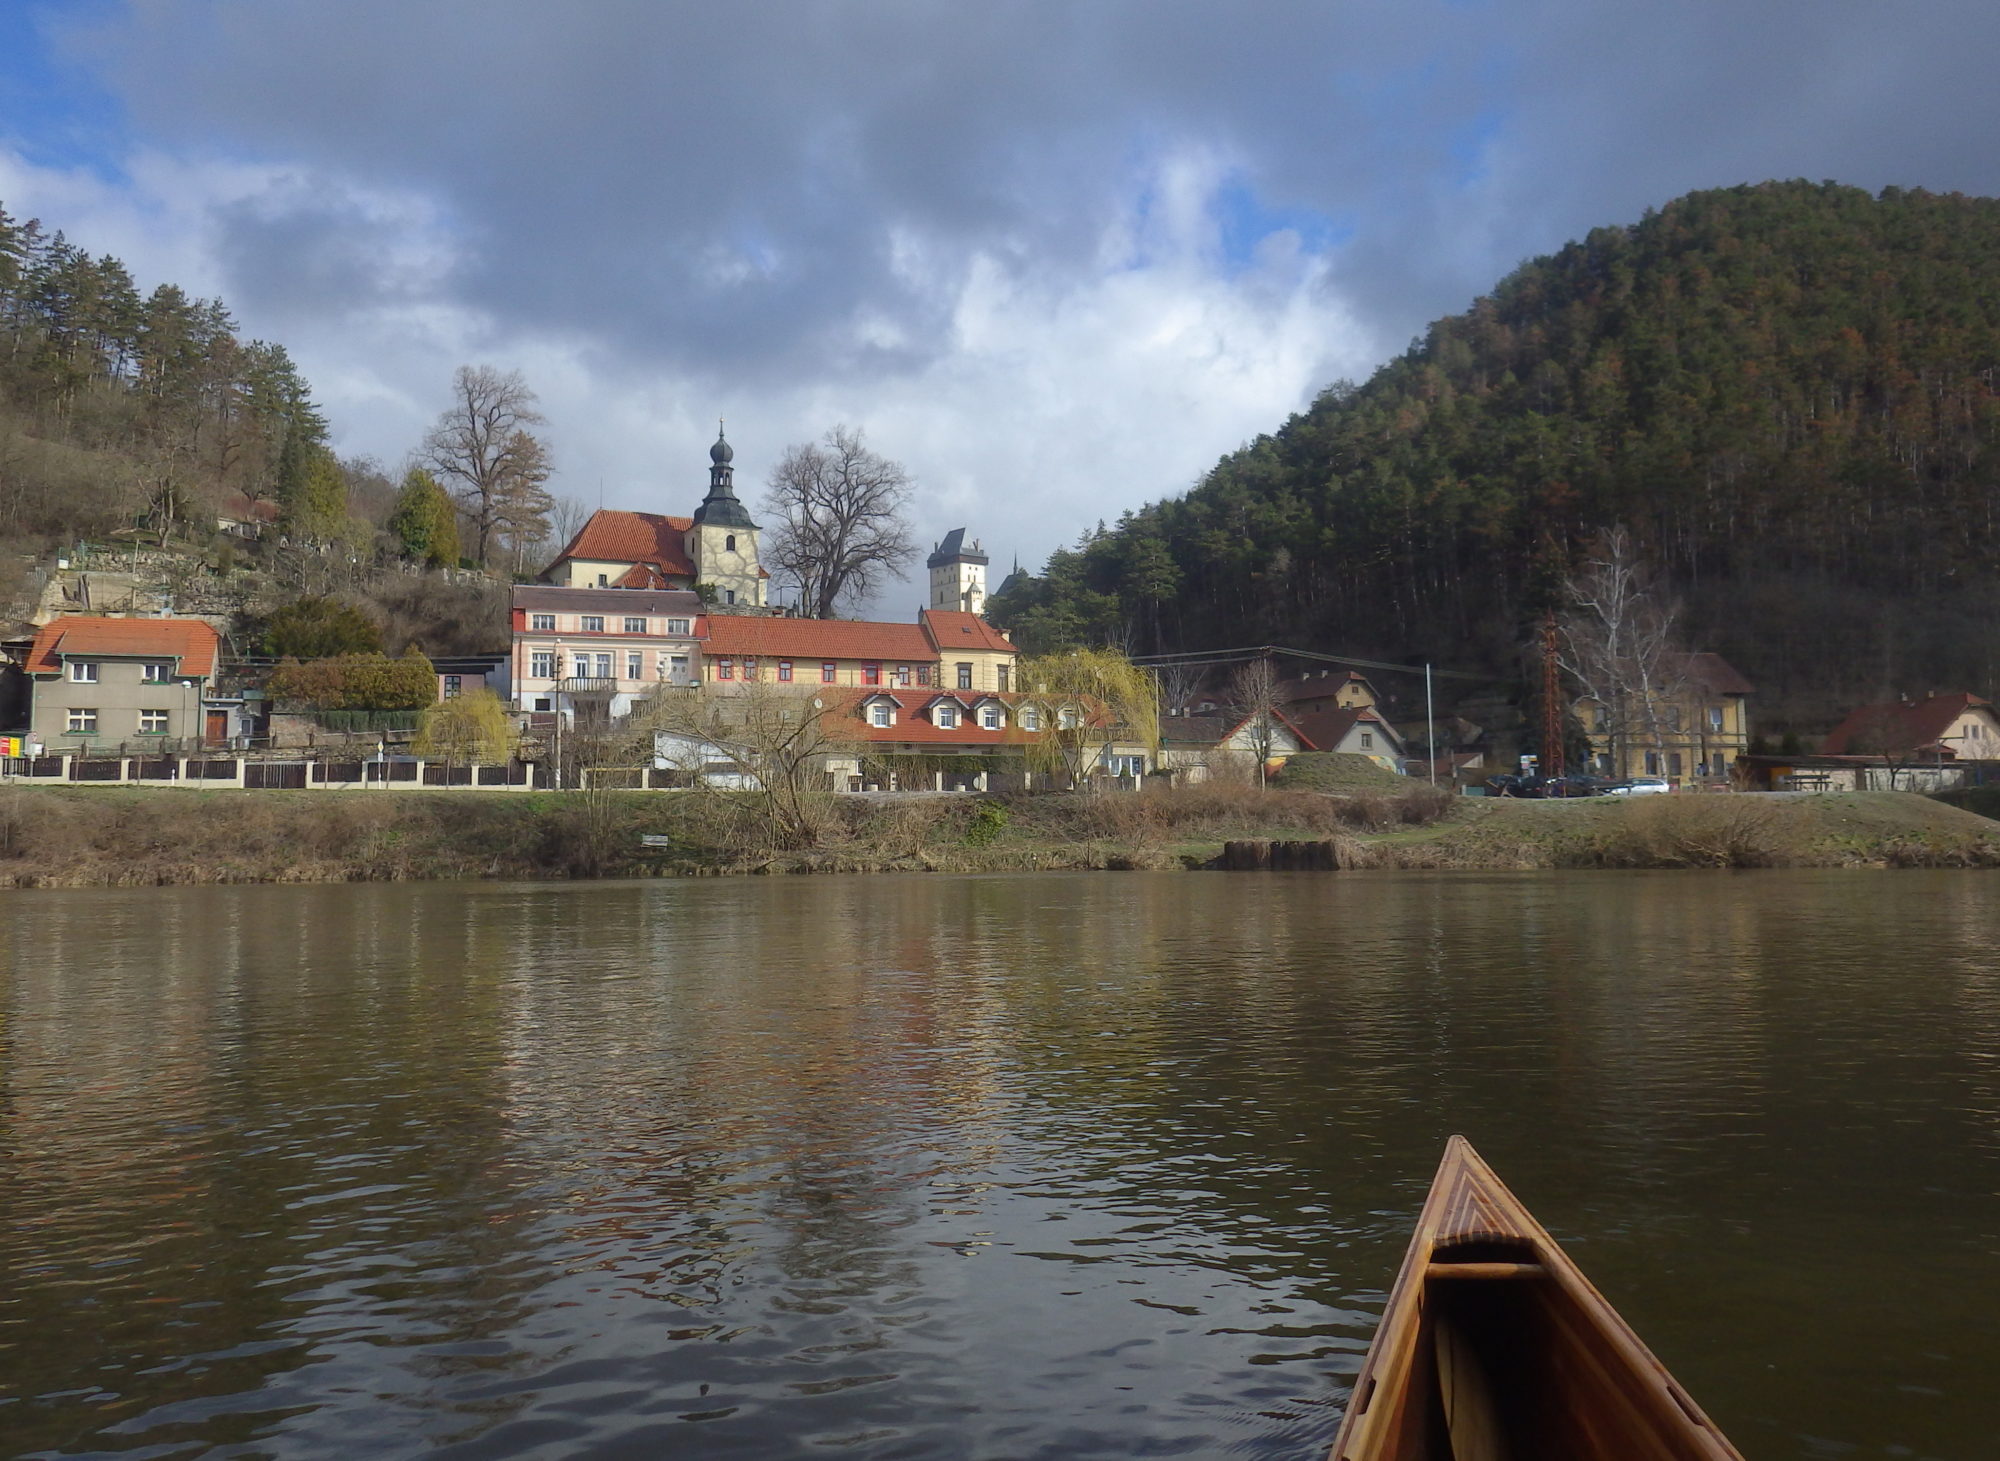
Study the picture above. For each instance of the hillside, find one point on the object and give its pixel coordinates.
(1786, 392)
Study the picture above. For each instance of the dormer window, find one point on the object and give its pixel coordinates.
(1031, 717)
(881, 713)
(1068, 718)
(945, 716)
(991, 718)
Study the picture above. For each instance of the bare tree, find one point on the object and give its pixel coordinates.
(839, 529)
(1618, 644)
(1255, 699)
(482, 443)
(777, 744)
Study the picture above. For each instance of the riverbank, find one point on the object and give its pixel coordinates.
(126, 836)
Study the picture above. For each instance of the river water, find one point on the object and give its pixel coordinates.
(1094, 1165)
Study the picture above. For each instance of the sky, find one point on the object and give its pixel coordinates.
(1054, 258)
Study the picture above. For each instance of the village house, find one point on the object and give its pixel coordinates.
(600, 650)
(953, 740)
(1696, 730)
(1195, 746)
(109, 682)
(715, 550)
(944, 649)
(1897, 745)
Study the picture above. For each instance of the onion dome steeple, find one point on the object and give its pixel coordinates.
(720, 508)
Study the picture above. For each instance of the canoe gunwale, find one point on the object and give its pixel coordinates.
(1471, 1234)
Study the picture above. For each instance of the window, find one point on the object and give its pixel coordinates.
(881, 713)
(990, 717)
(542, 702)
(604, 667)
(903, 676)
(923, 674)
(677, 669)
(785, 671)
(541, 621)
(1001, 671)
(827, 670)
(635, 665)
(871, 674)
(542, 664)
(593, 623)
(680, 626)
(945, 716)
(603, 581)
(1031, 718)
(729, 596)
(1652, 763)
(725, 668)
(1600, 717)
(1368, 740)
(82, 722)
(1068, 719)
(635, 624)
(749, 667)
(964, 675)
(1715, 717)
(83, 671)
(152, 722)
(450, 687)
(1672, 716)
(1673, 763)
(729, 543)
(155, 674)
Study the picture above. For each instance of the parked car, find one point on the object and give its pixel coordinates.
(1641, 786)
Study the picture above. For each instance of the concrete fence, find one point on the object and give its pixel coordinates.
(269, 774)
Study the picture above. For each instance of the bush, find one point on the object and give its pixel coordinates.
(359, 682)
(320, 628)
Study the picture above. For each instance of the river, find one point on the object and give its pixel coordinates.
(1091, 1165)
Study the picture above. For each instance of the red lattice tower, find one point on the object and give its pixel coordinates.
(1552, 711)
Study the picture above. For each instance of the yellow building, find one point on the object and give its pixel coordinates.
(1692, 731)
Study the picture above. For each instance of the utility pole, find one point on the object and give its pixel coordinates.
(1552, 713)
(1430, 727)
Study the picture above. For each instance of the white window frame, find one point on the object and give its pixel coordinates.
(593, 624)
(635, 624)
(945, 717)
(541, 664)
(544, 622)
(991, 718)
(83, 671)
(153, 730)
(635, 665)
(881, 713)
(680, 626)
(82, 721)
(1031, 718)
(154, 672)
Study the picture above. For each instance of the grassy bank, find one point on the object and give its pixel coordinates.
(126, 836)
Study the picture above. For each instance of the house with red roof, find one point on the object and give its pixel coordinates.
(1196, 744)
(601, 650)
(715, 548)
(132, 682)
(943, 739)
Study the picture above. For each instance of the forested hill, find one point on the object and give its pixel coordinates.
(1787, 393)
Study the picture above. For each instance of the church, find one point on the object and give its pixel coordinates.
(648, 550)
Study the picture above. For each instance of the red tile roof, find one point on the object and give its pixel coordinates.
(1897, 727)
(956, 629)
(614, 536)
(1716, 675)
(1325, 729)
(190, 641)
(809, 639)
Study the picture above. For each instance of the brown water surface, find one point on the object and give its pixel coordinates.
(1095, 1165)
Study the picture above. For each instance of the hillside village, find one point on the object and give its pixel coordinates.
(642, 653)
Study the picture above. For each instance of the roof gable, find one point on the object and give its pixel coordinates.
(954, 629)
(1896, 727)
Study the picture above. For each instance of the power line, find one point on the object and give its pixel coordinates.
(1196, 657)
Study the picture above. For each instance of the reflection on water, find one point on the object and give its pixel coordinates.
(1093, 1165)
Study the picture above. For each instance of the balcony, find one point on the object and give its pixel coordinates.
(588, 685)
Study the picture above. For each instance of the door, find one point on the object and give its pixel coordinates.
(218, 727)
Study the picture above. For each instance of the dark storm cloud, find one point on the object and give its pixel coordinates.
(726, 187)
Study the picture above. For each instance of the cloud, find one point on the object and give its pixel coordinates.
(1056, 258)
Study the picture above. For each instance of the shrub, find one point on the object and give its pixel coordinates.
(359, 682)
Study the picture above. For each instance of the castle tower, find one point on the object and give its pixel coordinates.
(723, 540)
(958, 574)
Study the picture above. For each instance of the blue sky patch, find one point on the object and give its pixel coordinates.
(52, 108)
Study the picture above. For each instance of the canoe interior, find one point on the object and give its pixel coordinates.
(1494, 1347)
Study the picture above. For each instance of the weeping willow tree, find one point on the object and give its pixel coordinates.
(467, 730)
(1088, 701)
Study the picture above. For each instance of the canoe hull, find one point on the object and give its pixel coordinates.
(1495, 1347)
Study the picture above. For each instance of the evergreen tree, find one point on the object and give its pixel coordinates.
(425, 522)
